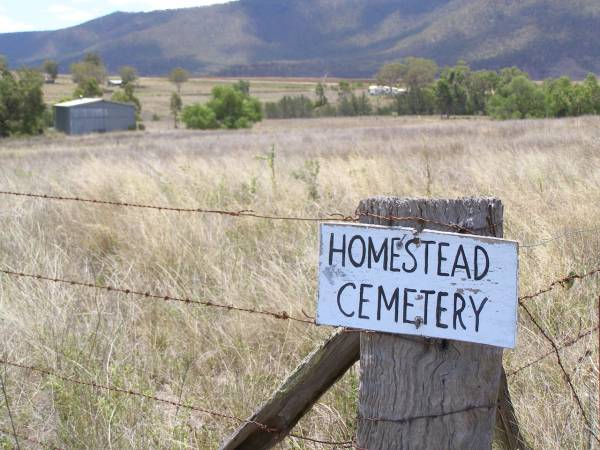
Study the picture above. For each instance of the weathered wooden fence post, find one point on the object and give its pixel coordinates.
(418, 393)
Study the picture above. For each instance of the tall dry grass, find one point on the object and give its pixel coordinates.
(546, 172)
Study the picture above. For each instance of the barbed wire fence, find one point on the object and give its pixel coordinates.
(556, 347)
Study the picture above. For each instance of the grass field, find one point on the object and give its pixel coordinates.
(546, 172)
(155, 93)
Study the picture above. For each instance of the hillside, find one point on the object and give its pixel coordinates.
(335, 37)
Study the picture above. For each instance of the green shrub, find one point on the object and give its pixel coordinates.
(228, 108)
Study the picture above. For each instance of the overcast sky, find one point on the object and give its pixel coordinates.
(30, 15)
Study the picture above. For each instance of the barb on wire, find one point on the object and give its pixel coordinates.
(420, 220)
(564, 371)
(277, 315)
(240, 213)
(561, 282)
(29, 439)
(567, 344)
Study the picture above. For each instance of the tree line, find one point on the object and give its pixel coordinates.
(508, 93)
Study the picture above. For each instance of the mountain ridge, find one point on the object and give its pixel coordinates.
(349, 38)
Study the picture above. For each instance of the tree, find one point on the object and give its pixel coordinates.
(89, 88)
(390, 74)
(481, 85)
(591, 91)
(176, 105)
(90, 68)
(243, 86)
(321, 97)
(22, 105)
(178, 76)
(127, 95)
(128, 74)
(3, 63)
(228, 108)
(520, 99)
(199, 117)
(418, 72)
(50, 68)
(559, 97)
(452, 90)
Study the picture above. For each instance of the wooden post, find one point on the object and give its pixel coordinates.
(311, 379)
(418, 393)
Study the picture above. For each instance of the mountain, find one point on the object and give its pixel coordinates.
(349, 38)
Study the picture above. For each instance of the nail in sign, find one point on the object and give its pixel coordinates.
(433, 284)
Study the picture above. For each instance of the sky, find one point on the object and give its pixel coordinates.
(35, 15)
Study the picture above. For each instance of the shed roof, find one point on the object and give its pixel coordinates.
(87, 101)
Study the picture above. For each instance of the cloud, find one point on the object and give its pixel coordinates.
(8, 25)
(69, 14)
(150, 5)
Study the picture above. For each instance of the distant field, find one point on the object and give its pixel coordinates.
(547, 172)
(155, 93)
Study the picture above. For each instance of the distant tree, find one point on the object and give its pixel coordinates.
(22, 108)
(50, 68)
(353, 105)
(199, 117)
(452, 90)
(243, 86)
(93, 59)
(591, 92)
(418, 72)
(175, 106)
(228, 108)
(290, 107)
(90, 68)
(3, 63)
(520, 99)
(559, 97)
(390, 74)
(508, 74)
(178, 76)
(89, 88)
(481, 85)
(321, 96)
(127, 95)
(128, 74)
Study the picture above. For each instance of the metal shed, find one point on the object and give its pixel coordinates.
(93, 115)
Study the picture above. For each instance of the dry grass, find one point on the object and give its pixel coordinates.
(155, 93)
(546, 172)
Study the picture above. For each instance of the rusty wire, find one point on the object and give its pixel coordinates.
(29, 439)
(560, 282)
(263, 427)
(566, 376)
(283, 315)
(239, 213)
(564, 345)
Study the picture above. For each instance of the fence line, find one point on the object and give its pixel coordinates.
(565, 281)
(563, 369)
(178, 404)
(242, 213)
(211, 304)
(564, 345)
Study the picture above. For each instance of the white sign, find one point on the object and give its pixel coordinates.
(433, 284)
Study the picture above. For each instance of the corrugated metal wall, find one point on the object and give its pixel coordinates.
(98, 117)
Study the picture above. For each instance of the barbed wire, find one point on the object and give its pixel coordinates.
(283, 315)
(559, 237)
(178, 404)
(564, 345)
(564, 281)
(564, 371)
(30, 439)
(240, 213)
